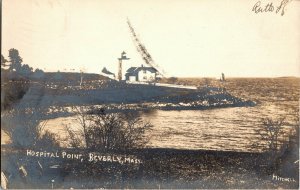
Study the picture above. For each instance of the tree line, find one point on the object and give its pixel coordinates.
(14, 64)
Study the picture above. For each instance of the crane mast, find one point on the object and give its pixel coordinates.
(143, 51)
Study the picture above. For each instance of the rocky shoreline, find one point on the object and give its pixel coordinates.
(132, 97)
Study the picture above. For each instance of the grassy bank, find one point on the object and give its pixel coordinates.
(160, 168)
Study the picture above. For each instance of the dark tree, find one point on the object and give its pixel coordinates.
(3, 60)
(38, 73)
(25, 69)
(15, 59)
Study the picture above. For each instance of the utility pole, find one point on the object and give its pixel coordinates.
(82, 70)
(123, 57)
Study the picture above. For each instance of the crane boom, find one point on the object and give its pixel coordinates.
(143, 51)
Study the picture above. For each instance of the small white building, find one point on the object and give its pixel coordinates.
(141, 74)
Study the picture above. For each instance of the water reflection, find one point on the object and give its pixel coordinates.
(231, 129)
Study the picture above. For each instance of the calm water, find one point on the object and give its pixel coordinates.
(232, 129)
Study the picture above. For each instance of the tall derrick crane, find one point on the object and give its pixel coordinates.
(143, 51)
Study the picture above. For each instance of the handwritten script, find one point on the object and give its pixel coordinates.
(277, 178)
(259, 7)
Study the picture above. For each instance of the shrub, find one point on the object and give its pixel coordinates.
(282, 140)
(109, 131)
(270, 132)
(12, 92)
(25, 127)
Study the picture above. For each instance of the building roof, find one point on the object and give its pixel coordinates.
(131, 69)
(105, 71)
(135, 70)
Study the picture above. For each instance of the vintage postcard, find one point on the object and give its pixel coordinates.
(128, 94)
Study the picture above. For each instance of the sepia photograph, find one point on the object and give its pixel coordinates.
(129, 94)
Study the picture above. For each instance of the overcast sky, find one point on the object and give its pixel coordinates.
(191, 38)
